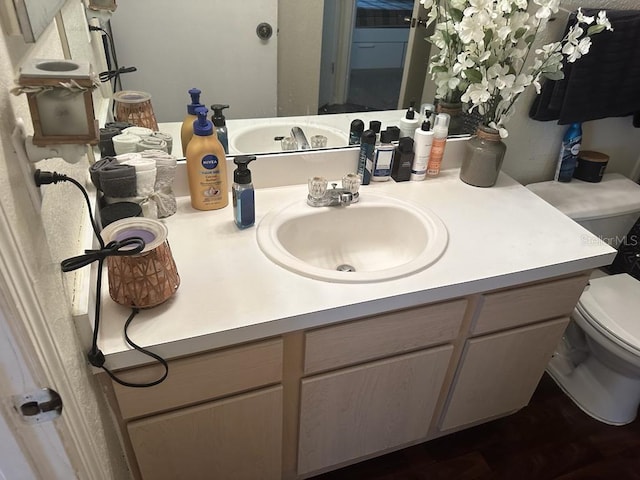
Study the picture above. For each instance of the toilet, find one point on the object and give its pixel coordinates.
(597, 363)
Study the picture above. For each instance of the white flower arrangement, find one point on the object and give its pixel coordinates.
(484, 46)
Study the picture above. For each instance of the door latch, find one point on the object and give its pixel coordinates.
(39, 406)
(416, 21)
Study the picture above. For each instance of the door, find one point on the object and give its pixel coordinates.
(499, 372)
(237, 438)
(209, 45)
(416, 61)
(28, 451)
(358, 411)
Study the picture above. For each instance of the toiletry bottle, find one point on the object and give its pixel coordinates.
(220, 124)
(244, 210)
(383, 158)
(186, 131)
(206, 166)
(568, 158)
(355, 131)
(422, 140)
(375, 125)
(428, 113)
(409, 122)
(440, 132)
(403, 160)
(365, 158)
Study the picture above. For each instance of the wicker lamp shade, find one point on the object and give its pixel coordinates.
(148, 278)
(135, 107)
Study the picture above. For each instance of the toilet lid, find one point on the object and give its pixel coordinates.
(612, 305)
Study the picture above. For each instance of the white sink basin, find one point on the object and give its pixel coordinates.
(378, 238)
(261, 138)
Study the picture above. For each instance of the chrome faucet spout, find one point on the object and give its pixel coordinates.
(301, 138)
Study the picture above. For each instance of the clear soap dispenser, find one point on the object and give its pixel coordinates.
(220, 124)
(244, 210)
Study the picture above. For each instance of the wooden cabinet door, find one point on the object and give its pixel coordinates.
(499, 373)
(236, 438)
(365, 409)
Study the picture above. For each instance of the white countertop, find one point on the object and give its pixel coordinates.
(231, 293)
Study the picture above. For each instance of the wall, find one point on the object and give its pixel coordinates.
(532, 146)
(299, 49)
(61, 213)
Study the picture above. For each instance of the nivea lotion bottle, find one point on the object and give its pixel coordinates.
(186, 130)
(206, 166)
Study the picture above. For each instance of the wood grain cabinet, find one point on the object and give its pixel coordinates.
(218, 415)
(498, 373)
(370, 408)
(347, 391)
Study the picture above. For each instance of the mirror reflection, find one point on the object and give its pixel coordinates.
(275, 58)
(318, 57)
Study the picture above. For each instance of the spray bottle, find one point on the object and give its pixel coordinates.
(568, 158)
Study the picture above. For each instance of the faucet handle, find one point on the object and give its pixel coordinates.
(317, 187)
(351, 182)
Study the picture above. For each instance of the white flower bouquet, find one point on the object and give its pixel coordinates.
(484, 48)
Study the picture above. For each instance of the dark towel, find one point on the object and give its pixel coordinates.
(604, 83)
(114, 179)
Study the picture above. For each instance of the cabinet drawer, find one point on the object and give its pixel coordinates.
(381, 336)
(520, 306)
(201, 377)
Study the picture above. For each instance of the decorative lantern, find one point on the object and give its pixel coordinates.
(109, 5)
(59, 93)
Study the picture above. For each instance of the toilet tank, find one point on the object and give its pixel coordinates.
(608, 209)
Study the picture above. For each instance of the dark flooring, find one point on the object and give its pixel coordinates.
(369, 90)
(551, 438)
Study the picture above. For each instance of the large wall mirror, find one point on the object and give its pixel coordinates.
(330, 56)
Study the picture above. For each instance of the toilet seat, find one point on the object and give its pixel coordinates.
(611, 305)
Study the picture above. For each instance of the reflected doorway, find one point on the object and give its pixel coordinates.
(374, 55)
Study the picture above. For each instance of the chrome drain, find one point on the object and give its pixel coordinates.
(345, 268)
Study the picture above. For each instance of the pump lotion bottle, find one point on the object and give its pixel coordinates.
(186, 130)
(422, 148)
(244, 209)
(206, 166)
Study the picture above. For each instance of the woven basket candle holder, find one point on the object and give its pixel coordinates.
(146, 279)
(135, 107)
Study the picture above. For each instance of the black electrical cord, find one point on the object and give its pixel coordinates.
(128, 246)
(116, 71)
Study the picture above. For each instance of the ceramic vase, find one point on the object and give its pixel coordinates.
(483, 159)
(456, 123)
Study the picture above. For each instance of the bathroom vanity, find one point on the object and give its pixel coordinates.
(276, 375)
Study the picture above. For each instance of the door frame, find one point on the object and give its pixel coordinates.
(68, 441)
